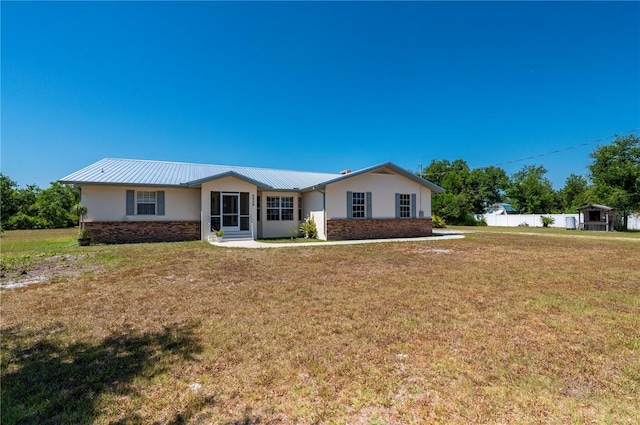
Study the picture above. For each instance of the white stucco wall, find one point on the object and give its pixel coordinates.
(313, 205)
(279, 228)
(109, 203)
(226, 184)
(383, 188)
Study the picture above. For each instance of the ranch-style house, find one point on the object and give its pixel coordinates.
(148, 201)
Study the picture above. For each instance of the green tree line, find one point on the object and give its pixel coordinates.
(34, 208)
(614, 180)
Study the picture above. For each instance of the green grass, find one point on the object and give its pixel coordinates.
(545, 231)
(37, 241)
(498, 327)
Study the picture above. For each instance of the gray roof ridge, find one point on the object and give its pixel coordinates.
(216, 165)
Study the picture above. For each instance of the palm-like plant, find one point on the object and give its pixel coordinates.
(81, 211)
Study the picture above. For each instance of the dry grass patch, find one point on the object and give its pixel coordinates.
(506, 329)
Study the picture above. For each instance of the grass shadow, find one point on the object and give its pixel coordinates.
(47, 382)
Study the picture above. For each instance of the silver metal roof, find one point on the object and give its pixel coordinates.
(161, 173)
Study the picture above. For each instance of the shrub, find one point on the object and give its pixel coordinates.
(470, 220)
(308, 228)
(523, 224)
(547, 221)
(21, 221)
(438, 222)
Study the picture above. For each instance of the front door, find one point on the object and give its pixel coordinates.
(230, 212)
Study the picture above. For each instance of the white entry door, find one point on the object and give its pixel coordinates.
(230, 212)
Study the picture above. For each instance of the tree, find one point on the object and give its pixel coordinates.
(55, 203)
(468, 192)
(7, 201)
(486, 187)
(574, 193)
(34, 208)
(530, 192)
(453, 205)
(615, 172)
(26, 199)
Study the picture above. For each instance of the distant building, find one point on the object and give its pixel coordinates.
(501, 208)
(596, 217)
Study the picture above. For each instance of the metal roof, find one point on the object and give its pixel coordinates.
(595, 206)
(162, 173)
(114, 171)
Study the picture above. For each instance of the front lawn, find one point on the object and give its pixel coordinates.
(493, 328)
(558, 231)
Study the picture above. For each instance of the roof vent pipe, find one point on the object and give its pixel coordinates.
(343, 172)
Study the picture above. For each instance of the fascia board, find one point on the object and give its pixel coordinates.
(198, 183)
(434, 187)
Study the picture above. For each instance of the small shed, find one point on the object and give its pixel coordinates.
(595, 217)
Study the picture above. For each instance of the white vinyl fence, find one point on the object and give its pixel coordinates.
(634, 222)
(534, 220)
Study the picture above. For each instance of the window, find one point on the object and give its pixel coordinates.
(273, 208)
(146, 203)
(216, 222)
(286, 208)
(279, 208)
(405, 205)
(358, 205)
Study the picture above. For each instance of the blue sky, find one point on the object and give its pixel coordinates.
(318, 86)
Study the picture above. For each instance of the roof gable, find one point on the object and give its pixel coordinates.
(381, 167)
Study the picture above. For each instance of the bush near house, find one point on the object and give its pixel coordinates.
(438, 222)
(308, 228)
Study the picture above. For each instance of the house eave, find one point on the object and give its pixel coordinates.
(119, 184)
(399, 170)
(195, 184)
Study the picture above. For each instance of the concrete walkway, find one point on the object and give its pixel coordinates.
(437, 236)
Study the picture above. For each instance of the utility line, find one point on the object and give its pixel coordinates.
(420, 167)
(565, 149)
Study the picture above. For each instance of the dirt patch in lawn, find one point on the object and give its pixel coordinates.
(26, 271)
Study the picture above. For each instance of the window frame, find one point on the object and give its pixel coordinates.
(280, 208)
(146, 200)
(405, 205)
(358, 205)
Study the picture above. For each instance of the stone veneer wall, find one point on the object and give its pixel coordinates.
(343, 229)
(143, 231)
